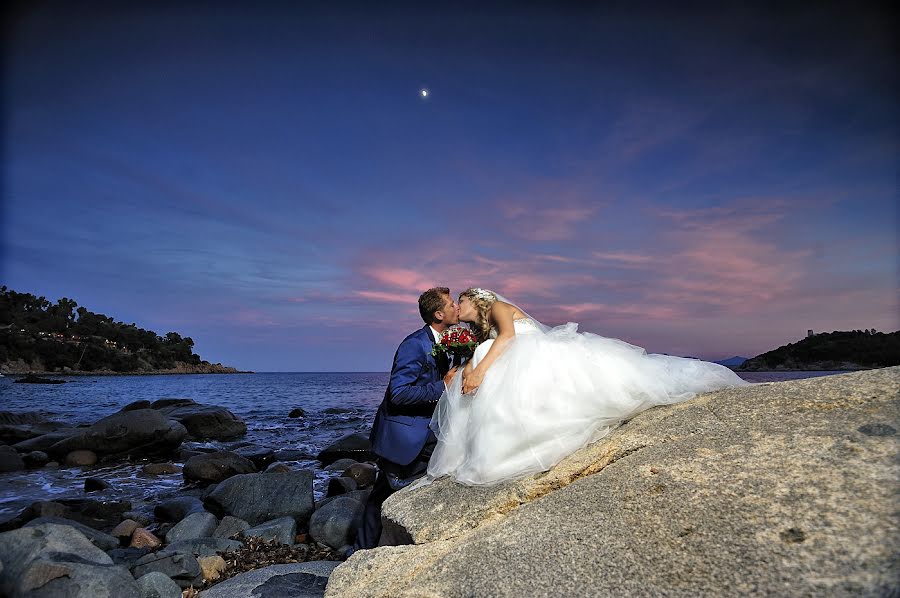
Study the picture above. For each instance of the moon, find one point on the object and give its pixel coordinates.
(424, 93)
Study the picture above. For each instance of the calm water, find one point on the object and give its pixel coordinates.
(263, 401)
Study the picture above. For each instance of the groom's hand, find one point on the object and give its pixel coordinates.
(449, 377)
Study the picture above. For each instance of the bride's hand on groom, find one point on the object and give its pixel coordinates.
(471, 380)
(449, 376)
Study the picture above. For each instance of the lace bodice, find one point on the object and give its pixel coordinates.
(521, 325)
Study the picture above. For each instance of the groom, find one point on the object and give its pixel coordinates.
(400, 435)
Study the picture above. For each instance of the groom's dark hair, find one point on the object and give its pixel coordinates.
(430, 301)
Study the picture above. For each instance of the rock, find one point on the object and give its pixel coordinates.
(99, 514)
(127, 557)
(124, 530)
(96, 537)
(142, 404)
(203, 422)
(337, 486)
(181, 567)
(160, 468)
(336, 410)
(143, 538)
(229, 527)
(35, 459)
(351, 446)
(10, 460)
(211, 567)
(340, 465)
(44, 442)
(176, 509)
(360, 496)
(196, 525)
(35, 379)
(142, 519)
(258, 497)
(298, 412)
(748, 491)
(363, 474)
(260, 456)
(281, 530)
(158, 585)
(214, 467)
(335, 524)
(299, 580)
(293, 455)
(95, 484)
(143, 431)
(57, 560)
(278, 467)
(205, 546)
(81, 458)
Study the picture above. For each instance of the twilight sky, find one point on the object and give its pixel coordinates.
(268, 180)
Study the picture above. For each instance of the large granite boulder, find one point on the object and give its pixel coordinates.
(336, 522)
(352, 446)
(143, 431)
(210, 468)
(259, 497)
(181, 567)
(99, 539)
(43, 442)
(10, 459)
(203, 422)
(298, 580)
(773, 489)
(283, 530)
(201, 524)
(57, 560)
(19, 426)
(177, 508)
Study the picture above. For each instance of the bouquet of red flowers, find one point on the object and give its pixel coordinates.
(457, 342)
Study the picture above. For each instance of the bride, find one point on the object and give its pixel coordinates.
(532, 395)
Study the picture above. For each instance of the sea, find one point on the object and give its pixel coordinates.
(336, 404)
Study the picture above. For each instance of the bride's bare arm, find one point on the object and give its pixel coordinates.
(502, 314)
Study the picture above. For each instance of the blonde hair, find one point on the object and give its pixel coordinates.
(483, 300)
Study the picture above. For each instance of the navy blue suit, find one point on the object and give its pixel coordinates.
(401, 428)
(400, 435)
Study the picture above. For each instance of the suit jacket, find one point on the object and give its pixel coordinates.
(401, 428)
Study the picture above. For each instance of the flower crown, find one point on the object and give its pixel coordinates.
(483, 294)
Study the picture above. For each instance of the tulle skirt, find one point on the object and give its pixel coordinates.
(551, 393)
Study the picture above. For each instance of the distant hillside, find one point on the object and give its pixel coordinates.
(732, 361)
(37, 335)
(856, 349)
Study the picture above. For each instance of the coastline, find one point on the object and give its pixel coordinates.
(22, 369)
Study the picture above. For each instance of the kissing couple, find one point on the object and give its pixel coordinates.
(529, 396)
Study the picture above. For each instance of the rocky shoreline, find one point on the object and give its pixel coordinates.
(786, 488)
(21, 368)
(243, 521)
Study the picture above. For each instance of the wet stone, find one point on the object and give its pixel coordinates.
(877, 430)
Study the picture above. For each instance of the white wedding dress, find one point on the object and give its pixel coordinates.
(551, 392)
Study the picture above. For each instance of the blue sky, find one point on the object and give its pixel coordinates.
(269, 181)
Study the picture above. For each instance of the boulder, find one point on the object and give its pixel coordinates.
(96, 537)
(282, 530)
(757, 490)
(57, 560)
(298, 412)
(340, 465)
(341, 485)
(126, 557)
(203, 422)
(158, 585)
(335, 524)
(10, 460)
(81, 458)
(210, 468)
(363, 474)
(35, 459)
(278, 467)
(45, 441)
(259, 497)
(144, 538)
(176, 509)
(142, 519)
(143, 431)
(259, 455)
(230, 526)
(95, 484)
(196, 525)
(351, 446)
(301, 580)
(19, 427)
(205, 546)
(124, 530)
(211, 567)
(142, 404)
(181, 567)
(160, 468)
